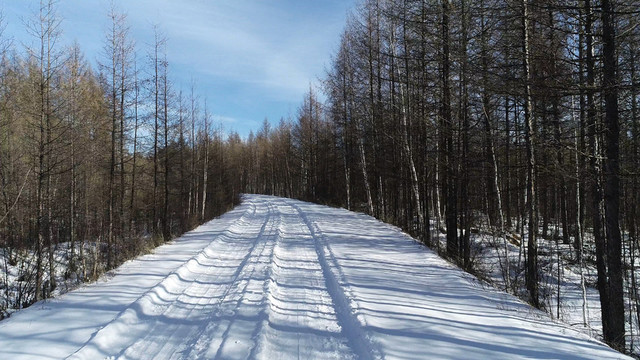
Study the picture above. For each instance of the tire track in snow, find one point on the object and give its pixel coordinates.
(261, 331)
(132, 319)
(205, 294)
(264, 239)
(301, 319)
(263, 316)
(216, 337)
(234, 284)
(352, 329)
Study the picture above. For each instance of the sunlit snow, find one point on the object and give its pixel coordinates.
(283, 279)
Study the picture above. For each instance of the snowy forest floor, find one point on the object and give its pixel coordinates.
(561, 287)
(283, 279)
(18, 271)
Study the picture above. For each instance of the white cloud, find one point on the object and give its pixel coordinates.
(224, 119)
(259, 43)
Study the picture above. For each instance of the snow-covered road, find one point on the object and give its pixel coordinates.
(283, 279)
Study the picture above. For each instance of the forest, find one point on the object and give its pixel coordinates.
(100, 164)
(449, 119)
(514, 118)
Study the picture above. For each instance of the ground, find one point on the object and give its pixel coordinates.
(283, 279)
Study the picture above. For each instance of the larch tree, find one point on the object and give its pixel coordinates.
(615, 334)
(45, 60)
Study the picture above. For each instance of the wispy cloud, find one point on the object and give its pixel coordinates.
(225, 119)
(277, 45)
(251, 58)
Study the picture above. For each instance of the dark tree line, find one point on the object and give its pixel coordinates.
(520, 117)
(101, 163)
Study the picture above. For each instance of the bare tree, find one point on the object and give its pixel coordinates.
(158, 48)
(615, 334)
(205, 166)
(117, 52)
(166, 227)
(46, 29)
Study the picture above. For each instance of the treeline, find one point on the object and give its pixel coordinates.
(103, 162)
(520, 117)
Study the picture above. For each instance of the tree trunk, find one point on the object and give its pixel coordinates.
(530, 139)
(135, 155)
(450, 183)
(616, 331)
(156, 128)
(123, 90)
(166, 228)
(205, 166)
(193, 188)
(596, 192)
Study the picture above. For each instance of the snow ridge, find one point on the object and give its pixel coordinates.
(159, 298)
(352, 328)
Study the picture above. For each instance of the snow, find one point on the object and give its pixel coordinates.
(283, 279)
(16, 275)
(490, 262)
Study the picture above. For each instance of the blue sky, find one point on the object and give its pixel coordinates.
(251, 59)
